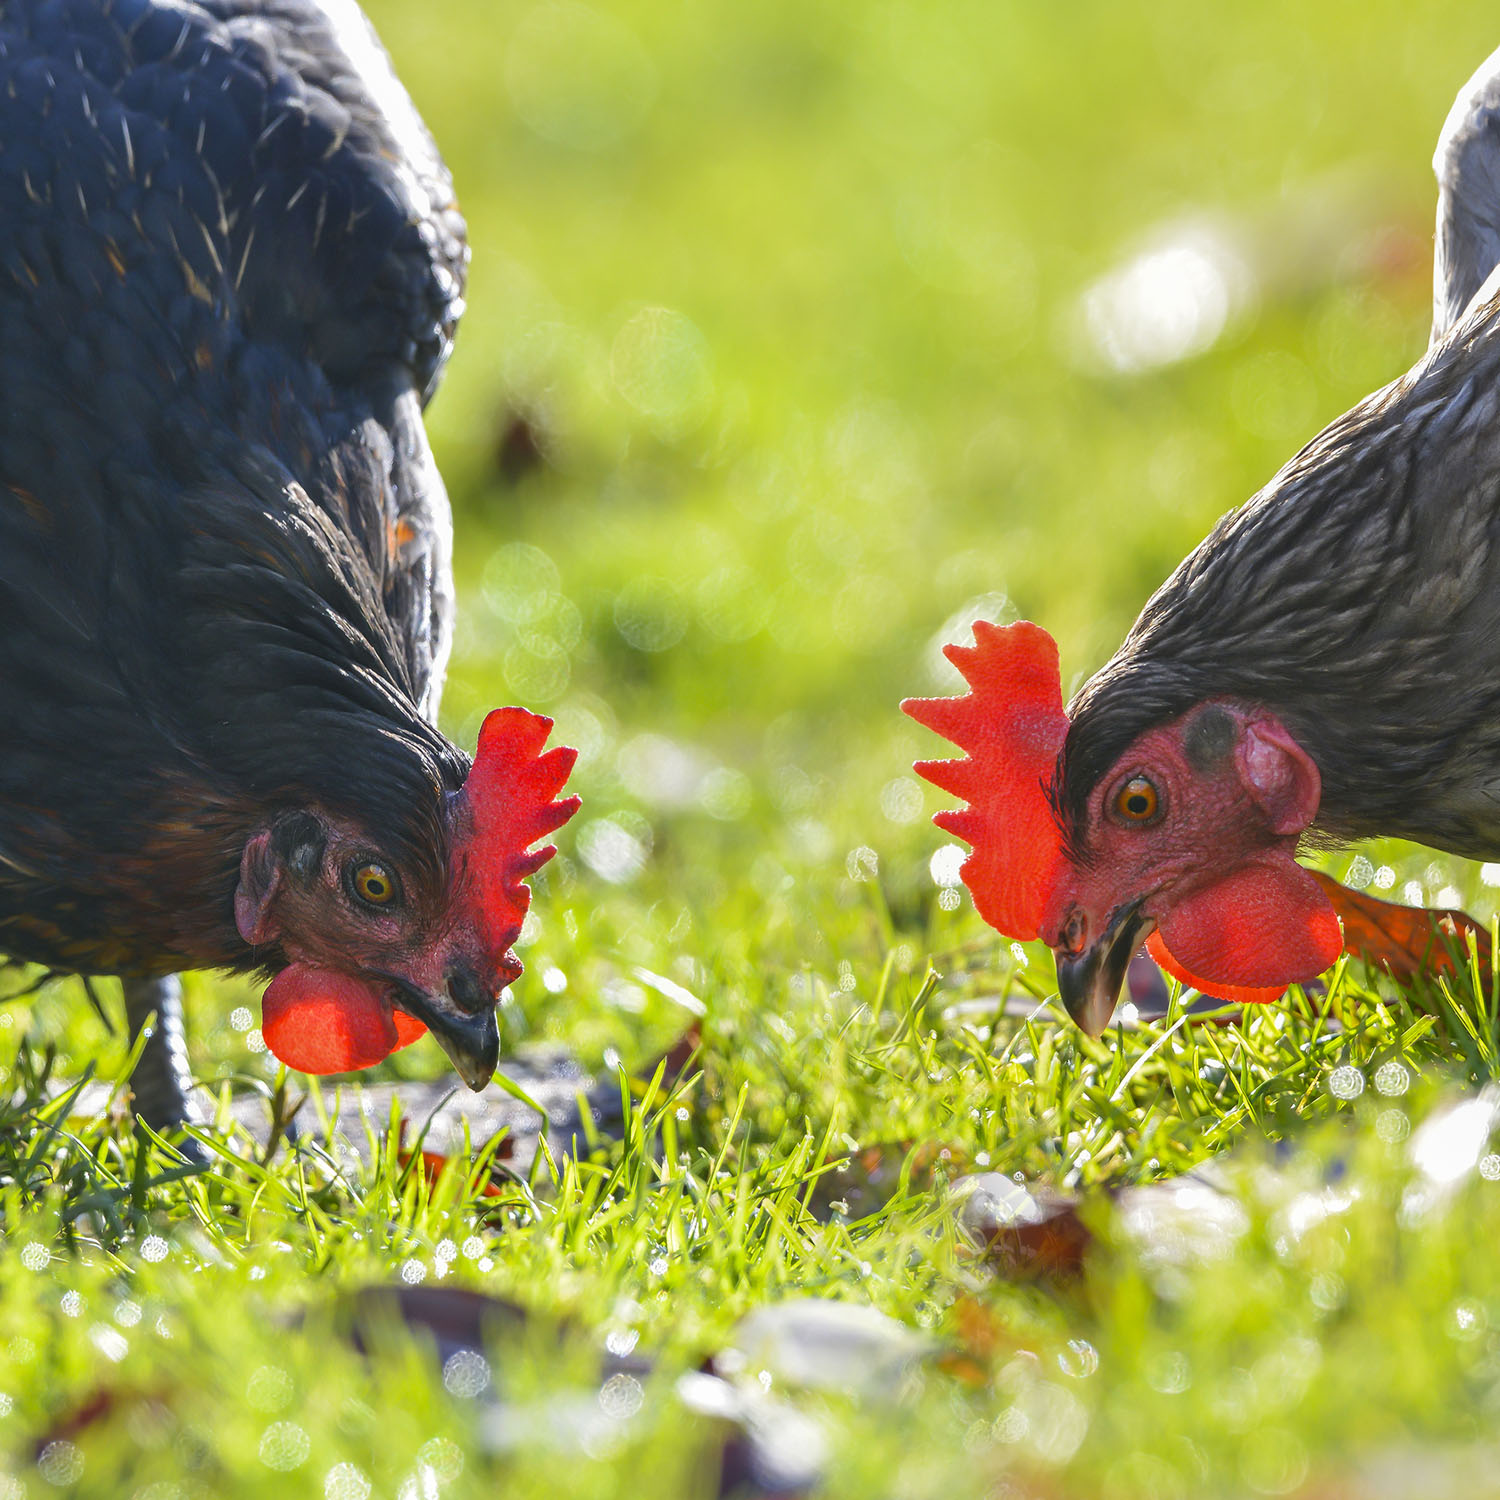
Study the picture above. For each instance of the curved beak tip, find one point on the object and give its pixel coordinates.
(1089, 983)
(1091, 1008)
(473, 1047)
(470, 1038)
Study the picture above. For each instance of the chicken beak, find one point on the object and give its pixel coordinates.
(1089, 981)
(462, 1019)
(472, 1044)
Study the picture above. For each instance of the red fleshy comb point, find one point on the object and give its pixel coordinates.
(512, 799)
(1012, 724)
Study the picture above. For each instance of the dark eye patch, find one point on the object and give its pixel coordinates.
(1209, 738)
(299, 840)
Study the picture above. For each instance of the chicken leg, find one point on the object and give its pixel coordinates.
(161, 1082)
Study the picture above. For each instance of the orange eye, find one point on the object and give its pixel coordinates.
(1137, 801)
(375, 884)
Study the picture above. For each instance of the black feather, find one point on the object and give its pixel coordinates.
(1358, 595)
(230, 271)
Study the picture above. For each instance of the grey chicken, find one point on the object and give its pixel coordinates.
(1324, 666)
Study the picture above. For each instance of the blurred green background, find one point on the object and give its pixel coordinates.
(800, 333)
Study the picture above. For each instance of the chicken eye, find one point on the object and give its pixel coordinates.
(1138, 800)
(374, 884)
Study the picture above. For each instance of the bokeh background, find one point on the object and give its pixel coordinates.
(802, 333)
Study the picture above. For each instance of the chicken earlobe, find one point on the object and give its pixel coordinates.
(1281, 776)
(260, 877)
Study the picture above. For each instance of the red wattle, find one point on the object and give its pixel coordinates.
(321, 1021)
(1246, 937)
(408, 1029)
(1238, 994)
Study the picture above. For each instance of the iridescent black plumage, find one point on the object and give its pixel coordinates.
(230, 270)
(1358, 595)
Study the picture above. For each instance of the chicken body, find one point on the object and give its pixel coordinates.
(1344, 629)
(1358, 594)
(1325, 666)
(230, 270)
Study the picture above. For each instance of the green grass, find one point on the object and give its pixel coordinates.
(783, 295)
(1345, 1321)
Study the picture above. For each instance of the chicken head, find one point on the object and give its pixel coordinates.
(1187, 841)
(377, 951)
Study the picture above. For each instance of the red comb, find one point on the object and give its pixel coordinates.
(511, 794)
(1012, 725)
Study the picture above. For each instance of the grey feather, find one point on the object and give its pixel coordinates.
(1467, 165)
(1358, 594)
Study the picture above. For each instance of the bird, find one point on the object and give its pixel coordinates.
(1324, 667)
(231, 268)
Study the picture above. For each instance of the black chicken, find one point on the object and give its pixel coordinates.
(1326, 665)
(230, 269)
